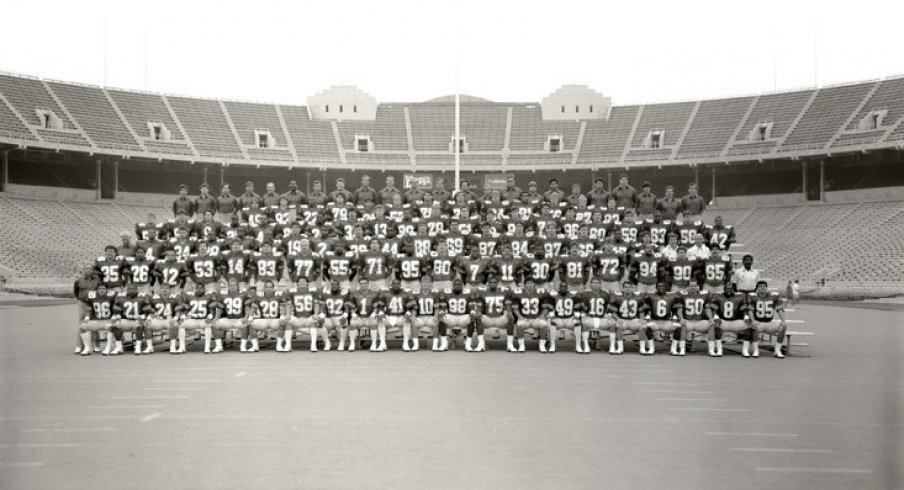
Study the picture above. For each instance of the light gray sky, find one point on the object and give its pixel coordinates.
(402, 50)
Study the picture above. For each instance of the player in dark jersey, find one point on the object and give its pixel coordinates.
(235, 315)
(507, 268)
(234, 263)
(729, 315)
(149, 229)
(574, 268)
(694, 314)
(364, 305)
(763, 306)
(112, 269)
(717, 270)
(566, 314)
(456, 310)
(335, 305)
(474, 267)
(99, 318)
(171, 271)
(140, 270)
(627, 306)
(539, 268)
(129, 316)
(199, 310)
(681, 270)
(303, 304)
(532, 309)
(646, 269)
(423, 305)
(374, 265)
(409, 268)
(720, 236)
(442, 266)
(661, 307)
(267, 264)
(268, 311)
(397, 316)
(496, 304)
(162, 311)
(609, 267)
(595, 316)
(203, 268)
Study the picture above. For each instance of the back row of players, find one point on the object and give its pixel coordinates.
(519, 266)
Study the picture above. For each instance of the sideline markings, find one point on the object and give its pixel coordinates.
(151, 397)
(21, 464)
(99, 429)
(856, 471)
(779, 450)
(681, 392)
(38, 445)
(151, 417)
(705, 409)
(664, 383)
(239, 375)
(751, 434)
(690, 399)
(124, 406)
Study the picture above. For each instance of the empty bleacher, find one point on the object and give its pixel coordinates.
(531, 132)
(887, 97)
(826, 115)
(671, 118)
(713, 126)
(90, 107)
(11, 126)
(604, 140)
(139, 109)
(387, 132)
(313, 141)
(780, 110)
(206, 126)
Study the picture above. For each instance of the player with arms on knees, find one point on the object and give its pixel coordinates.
(566, 313)
(199, 309)
(268, 311)
(662, 305)
(161, 312)
(423, 304)
(531, 312)
(496, 307)
(364, 305)
(539, 268)
(234, 263)
(235, 315)
(334, 309)
(396, 314)
(763, 306)
(303, 304)
(99, 318)
(694, 314)
(627, 306)
(456, 310)
(729, 315)
(129, 316)
(594, 310)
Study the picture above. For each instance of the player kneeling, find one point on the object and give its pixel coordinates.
(729, 316)
(235, 315)
(99, 318)
(199, 311)
(269, 311)
(302, 303)
(456, 312)
(161, 315)
(533, 308)
(763, 306)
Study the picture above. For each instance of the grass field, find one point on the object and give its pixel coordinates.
(454, 420)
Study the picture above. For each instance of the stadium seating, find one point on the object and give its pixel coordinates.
(672, 118)
(887, 97)
(780, 110)
(387, 132)
(826, 115)
(314, 141)
(530, 131)
(90, 107)
(206, 126)
(11, 126)
(249, 117)
(604, 140)
(712, 127)
(140, 109)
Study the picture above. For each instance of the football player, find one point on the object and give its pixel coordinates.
(235, 315)
(532, 311)
(303, 303)
(763, 306)
(99, 318)
(268, 311)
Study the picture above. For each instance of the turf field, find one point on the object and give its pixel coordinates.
(454, 420)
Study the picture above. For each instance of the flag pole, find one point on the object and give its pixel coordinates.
(456, 144)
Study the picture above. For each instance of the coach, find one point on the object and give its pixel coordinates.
(745, 279)
(668, 205)
(183, 204)
(227, 205)
(205, 202)
(365, 195)
(625, 195)
(692, 204)
(646, 202)
(598, 197)
(250, 196)
(512, 192)
(294, 196)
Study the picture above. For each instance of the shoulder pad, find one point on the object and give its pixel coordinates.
(516, 290)
(447, 291)
(92, 294)
(277, 253)
(259, 294)
(101, 259)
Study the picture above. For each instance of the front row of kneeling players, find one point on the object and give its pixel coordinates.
(440, 314)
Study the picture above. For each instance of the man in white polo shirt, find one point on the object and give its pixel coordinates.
(699, 251)
(745, 278)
